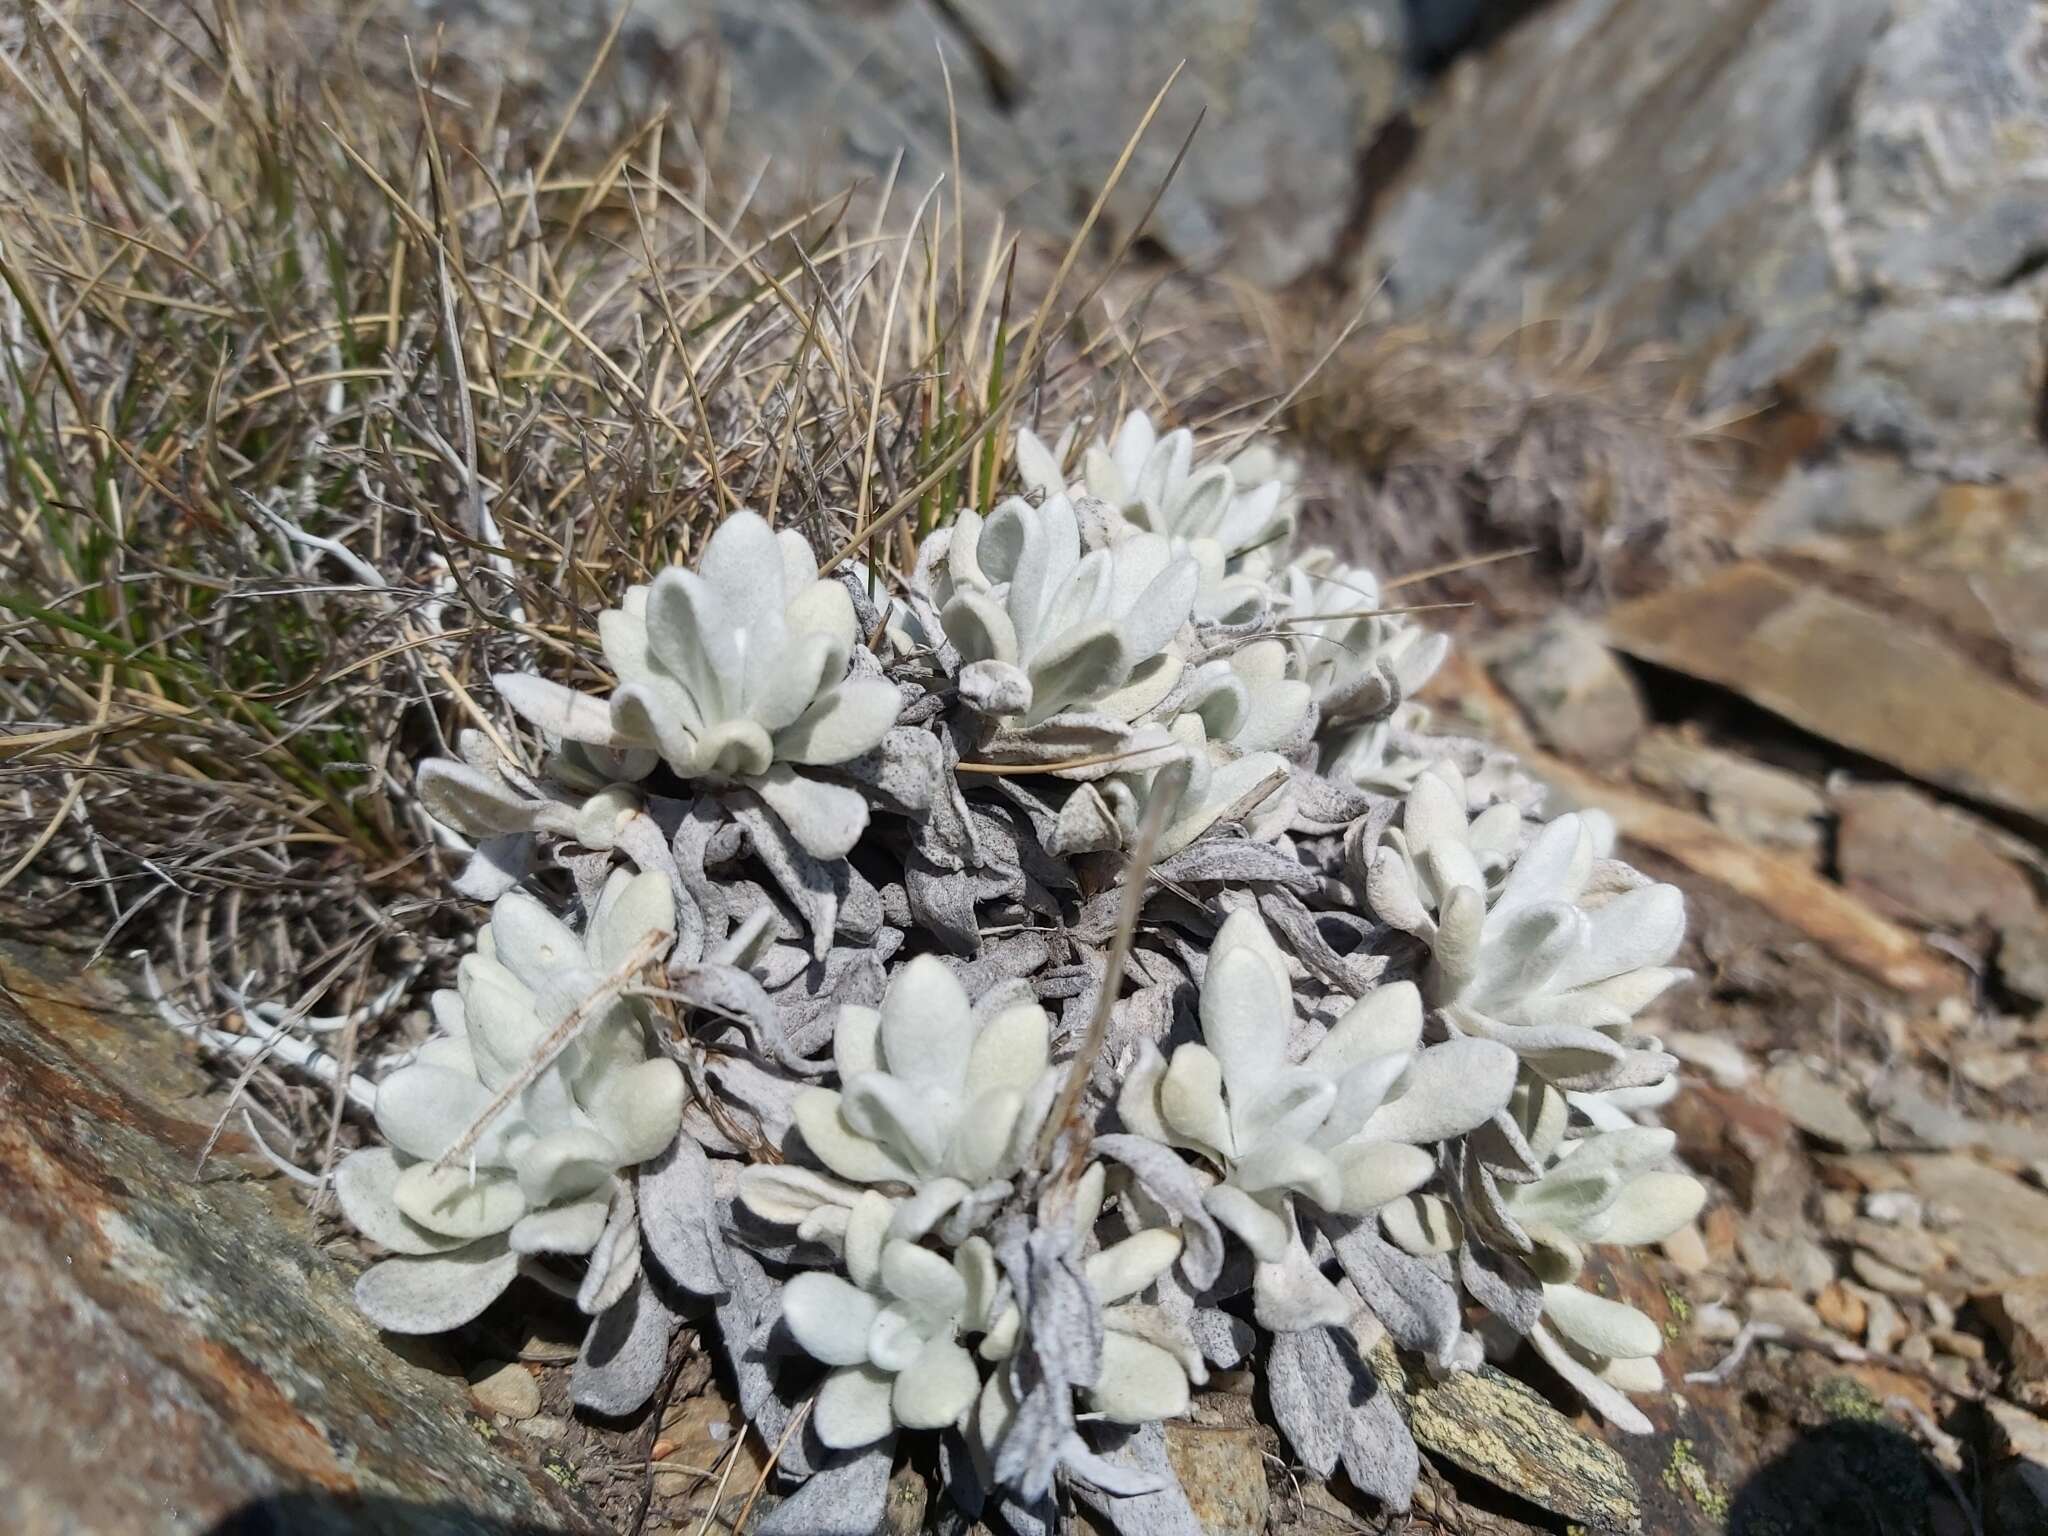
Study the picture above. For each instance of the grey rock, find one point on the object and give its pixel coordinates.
(1925, 862)
(1759, 804)
(1818, 1107)
(1997, 1229)
(1715, 1056)
(1893, 1207)
(1855, 492)
(1880, 1276)
(1784, 1258)
(2023, 959)
(1914, 1118)
(1496, 1428)
(507, 1387)
(1841, 199)
(1581, 700)
(2015, 1432)
(1224, 1472)
(1046, 95)
(1778, 1308)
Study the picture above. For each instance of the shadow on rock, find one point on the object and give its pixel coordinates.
(324, 1514)
(1848, 1477)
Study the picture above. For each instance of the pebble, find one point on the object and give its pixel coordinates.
(1880, 1276)
(2020, 1314)
(1878, 1174)
(1720, 1227)
(1818, 1107)
(1918, 1349)
(1906, 1248)
(1782, 1309)
(1720, 1058)
(1716, 1323)
(1788, 1259)
(1941, 1310)
(505, 1387)
(1993, 1070)
(1893, 1207)
(1842, 1309)
(2016, 1432)
(1996, 1230)
(1953, 1374)
(1920, 1119)
(1964, 1346)
(1886, 1326)
(1687, 1249)
(546, 1426)
(1580, 699)
(1837, 1210)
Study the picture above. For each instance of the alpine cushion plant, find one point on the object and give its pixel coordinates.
(1042, 628)
(1154, 482)
(934, 1101)
(1347, 1128)
(1551, 949)
(1358, 661)
(1362, 666)
(735, 673)
(936, 1113)
(890, 1329)
(484, 1170)
(1359, 1059)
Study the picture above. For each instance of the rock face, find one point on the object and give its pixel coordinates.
(1843, 198)
(1045, 96)
(175, 1354)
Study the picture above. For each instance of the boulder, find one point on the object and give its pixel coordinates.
(1840, 199)
(176, 1354)
(1044, 96)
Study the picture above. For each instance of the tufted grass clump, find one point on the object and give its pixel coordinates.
(333, 381)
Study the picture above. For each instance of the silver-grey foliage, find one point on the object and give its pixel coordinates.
(844, 916)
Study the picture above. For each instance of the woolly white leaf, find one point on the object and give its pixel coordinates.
(560, 712)
(1601, 1396)
(1599, 1325)
(365, 1183)
(853, 1407)
(624, 1354)
(1172, 1183)
(1310, 1387)
(455, 1202)
(432, 1295)
(848, 1496)
(677, 1220)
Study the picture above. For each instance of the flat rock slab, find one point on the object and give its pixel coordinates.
(1923, 862)
(1500, 1430)
(1993, 1227)
(1850, 673)
(174, 1350)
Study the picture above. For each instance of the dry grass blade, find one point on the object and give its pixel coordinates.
(1452, 567)
(320, 405)
(1064, 1125)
